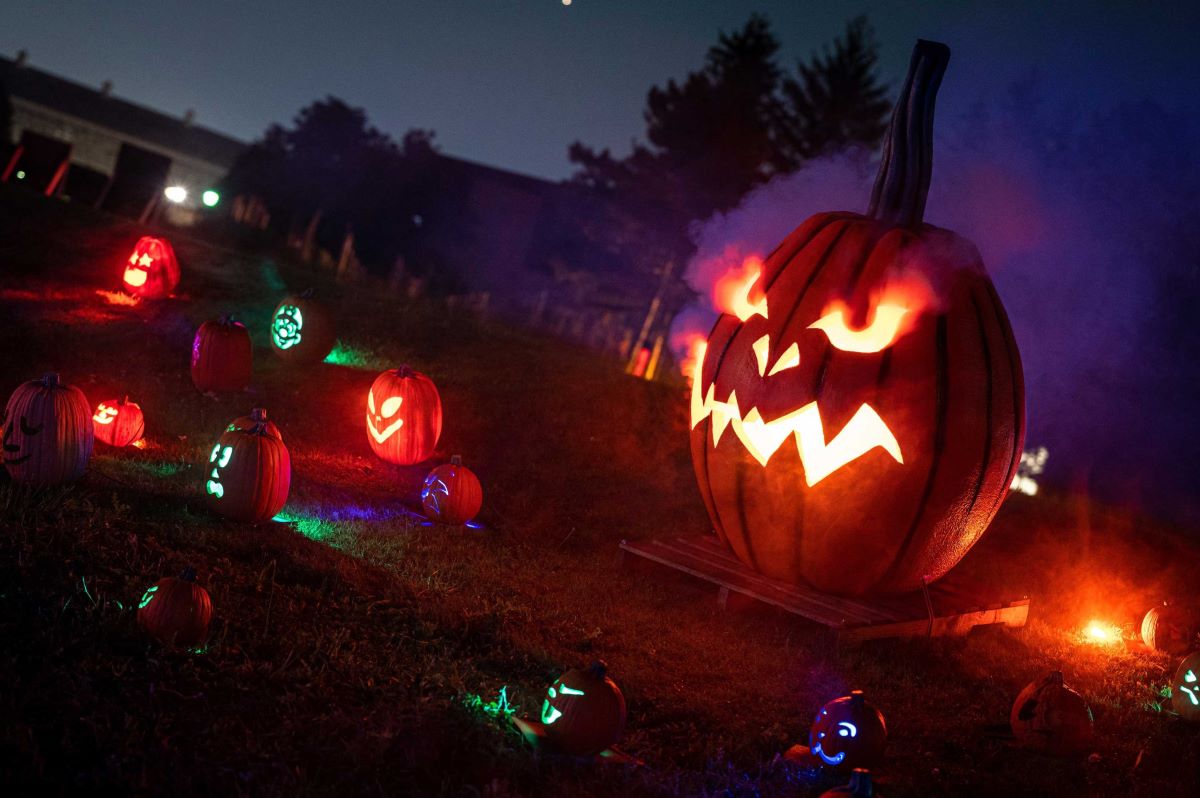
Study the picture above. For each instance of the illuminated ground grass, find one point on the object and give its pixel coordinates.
(355, 649)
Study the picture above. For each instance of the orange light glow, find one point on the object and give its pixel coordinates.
(733, 290)
(1101, 634)
(115, 298)
(697, 346)
(140, 443)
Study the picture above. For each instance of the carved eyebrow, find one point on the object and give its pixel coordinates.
(28, 430)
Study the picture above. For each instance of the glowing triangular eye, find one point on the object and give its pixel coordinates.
(390, 406)
(371, 400)
(788, 360)
(761, 349)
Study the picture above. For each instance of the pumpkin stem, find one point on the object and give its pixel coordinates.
(857, 699)
(404, 371)
(259, 414)
(598, 669)
(456, 460)
(188, 574)
(906, 165)
(1055, 678)
(124, 400)
(860, 783)
(50, 379)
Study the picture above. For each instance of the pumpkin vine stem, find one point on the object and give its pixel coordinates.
(188, 574)
(906, 165)
(598, 669)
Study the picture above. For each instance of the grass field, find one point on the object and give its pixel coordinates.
(352, 645)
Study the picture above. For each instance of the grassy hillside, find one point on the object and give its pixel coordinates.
(352, 644)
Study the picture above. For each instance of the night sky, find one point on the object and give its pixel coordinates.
(513, 83)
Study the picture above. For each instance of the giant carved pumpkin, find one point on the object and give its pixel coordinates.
(584, 711)
(404, 416)
(248, 472)
(301, 329)
(176, 610)
(119, 422)
(451, 493)
(222, 356)
(849, 733)
(152, 272)
(1185, 688)
(1173, 628)
(857, 419)
(1052, 718)
(48, 435)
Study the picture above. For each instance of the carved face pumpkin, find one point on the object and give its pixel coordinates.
(404, 416)
(47, 432)
(858, 413)
(152, 271)
(584, 711)
(848, 733)
(119, 422)
(302, 329)
(1050, 717)
(248, 472)
(176, 610)
(1185, 688)
(451, 493)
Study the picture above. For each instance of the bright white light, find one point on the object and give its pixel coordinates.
(210, 198)
(566, 2)
(175, 193)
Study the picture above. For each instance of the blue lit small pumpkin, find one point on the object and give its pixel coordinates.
(849, 733)
(451, 493)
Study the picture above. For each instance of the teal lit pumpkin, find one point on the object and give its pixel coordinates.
(584, 711)
(302, 329)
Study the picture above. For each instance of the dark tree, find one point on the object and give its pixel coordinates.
(835, 100)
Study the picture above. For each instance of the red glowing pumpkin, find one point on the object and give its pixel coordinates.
(1185, 688)
(48, 435)
(858, 414)
(249, 472)
(1173, 628)
(849, 733)
(451, 493)
(1052, 718)
(222, 356)
(584, 711)
(152, 271)
(176, 610)
(119, 422)
(302, 329)
(404, 416)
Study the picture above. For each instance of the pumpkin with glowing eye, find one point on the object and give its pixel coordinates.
(301, 329)
(248, 472)
(119, 422)
(584, 711)
(451, 493)
(1173, 628)
(857, 413)
(849, 733)
(1185, 688)
(222, 356)
(246, 423)
(47, 432)
(152, 271)
(404, 416)
(1052, 718)
(176, 610)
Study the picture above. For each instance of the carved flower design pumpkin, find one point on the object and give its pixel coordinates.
(584, 711)
(451, 493)
(152, 271)
(1173, 628)
(1050, 717)
(119, 422)
(248, 472)
(857, 419)
(1185, 688)
(48, 435)
(849, 733)
(302, 329)
(222, 356)
(176, 610)
(404, 416)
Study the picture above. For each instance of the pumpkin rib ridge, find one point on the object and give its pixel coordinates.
(739, 481)
(987, 438)
(1018, 379)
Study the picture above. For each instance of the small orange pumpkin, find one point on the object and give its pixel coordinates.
(152, 271)
(1050, 717)
(452, 493)
(404, 416)
(48, 435)
(849, 733)
(176, 610)
(119, 422)
(584, 711)
(222, 356)
(249, 472)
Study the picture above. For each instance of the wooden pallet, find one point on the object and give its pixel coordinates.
(949, 607)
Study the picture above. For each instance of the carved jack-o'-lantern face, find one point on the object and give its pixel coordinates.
(216, 461)
(151, 272)
(404, 416)
(383, 420)
(47, 432)
(849, 732)
(105, 414)
(15, 452)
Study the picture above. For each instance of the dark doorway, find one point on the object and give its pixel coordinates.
(38, 163)
(140, 177)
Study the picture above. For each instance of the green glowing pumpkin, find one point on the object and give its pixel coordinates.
(584, 711)
(302, 329)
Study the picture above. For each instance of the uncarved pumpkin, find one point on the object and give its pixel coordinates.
(48, 434)
(119, 422)
(248, 472)
(176, 610)
(858, 418)
(849, 733)
(404, 416)
(222, 356)
(451, 493)
(584, 711)
(1185, 688)
(152, 271)
(1173, 628)
(1052, 718)
(302, 329)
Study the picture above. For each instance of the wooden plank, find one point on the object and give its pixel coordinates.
(1015, 614)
